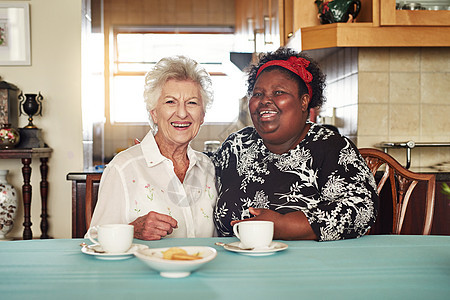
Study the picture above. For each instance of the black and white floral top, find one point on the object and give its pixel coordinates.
(324, 176)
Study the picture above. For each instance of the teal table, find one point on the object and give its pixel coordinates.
(372, 267)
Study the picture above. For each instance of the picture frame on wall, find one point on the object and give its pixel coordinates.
(14, 34)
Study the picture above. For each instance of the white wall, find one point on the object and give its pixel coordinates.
(55, 71)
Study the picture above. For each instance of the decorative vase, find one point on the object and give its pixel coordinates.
(9, 137)
(31, 104)
(8, 205)
(334, 11)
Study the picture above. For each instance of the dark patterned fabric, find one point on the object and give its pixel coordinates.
(324, 176)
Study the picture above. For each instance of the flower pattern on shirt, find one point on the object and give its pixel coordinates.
(204, 214)
(150, 191)
(209, 192)
(325, 177)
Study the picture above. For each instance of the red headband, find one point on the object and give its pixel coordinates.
(295, 64)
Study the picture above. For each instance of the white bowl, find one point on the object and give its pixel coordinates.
(153, 257)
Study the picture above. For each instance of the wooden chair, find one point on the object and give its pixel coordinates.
(402, 183)
(91, 196)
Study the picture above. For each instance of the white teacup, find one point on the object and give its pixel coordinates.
(254, 234)
(114, 238)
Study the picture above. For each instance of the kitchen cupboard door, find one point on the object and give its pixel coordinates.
(389, 16)
(258, 25)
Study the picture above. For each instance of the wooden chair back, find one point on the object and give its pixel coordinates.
(91, 197)
(402, 183)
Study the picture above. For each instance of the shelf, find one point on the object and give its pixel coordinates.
(408, 146)
(389, 16)
(367, 35)
(416, 18)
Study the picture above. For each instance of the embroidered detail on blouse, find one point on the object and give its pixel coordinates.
(136, 209)
(150, 191)
(204, 214)
(208, 191)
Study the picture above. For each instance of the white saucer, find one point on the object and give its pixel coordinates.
(89, 249)
(273, 247)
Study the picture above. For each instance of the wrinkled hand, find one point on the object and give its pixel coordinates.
(261, 214)
(153, 226)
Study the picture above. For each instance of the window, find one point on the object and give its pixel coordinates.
(137, 52)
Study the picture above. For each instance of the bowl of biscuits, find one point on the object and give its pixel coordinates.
(176, 262)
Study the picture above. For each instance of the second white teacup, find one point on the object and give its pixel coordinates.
(254, 234)
(114, 238)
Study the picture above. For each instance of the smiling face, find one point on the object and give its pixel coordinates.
(278, 112)
(179, 113)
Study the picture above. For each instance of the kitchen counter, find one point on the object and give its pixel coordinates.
(442, 174)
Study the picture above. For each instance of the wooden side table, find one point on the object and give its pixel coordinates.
(26, 155)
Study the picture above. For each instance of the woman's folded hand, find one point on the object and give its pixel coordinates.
(291, 226)
(153, 226)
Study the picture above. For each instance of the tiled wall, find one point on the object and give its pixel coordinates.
(341, 67)
(401, 94)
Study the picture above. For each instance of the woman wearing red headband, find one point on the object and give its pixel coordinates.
(310, 181)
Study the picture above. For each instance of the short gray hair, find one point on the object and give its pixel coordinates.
(178, 68)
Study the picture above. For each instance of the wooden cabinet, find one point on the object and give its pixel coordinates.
(258, 25)
(389, 16)
(379, 24)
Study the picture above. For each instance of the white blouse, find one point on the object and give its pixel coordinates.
(139, 180)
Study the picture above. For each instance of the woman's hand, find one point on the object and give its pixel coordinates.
(153, 226)
(261, 214)
(291, 226)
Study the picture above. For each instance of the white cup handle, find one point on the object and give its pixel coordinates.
(236, 231)
(94, 234)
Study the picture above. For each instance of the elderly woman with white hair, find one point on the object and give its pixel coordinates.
(161, 185)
